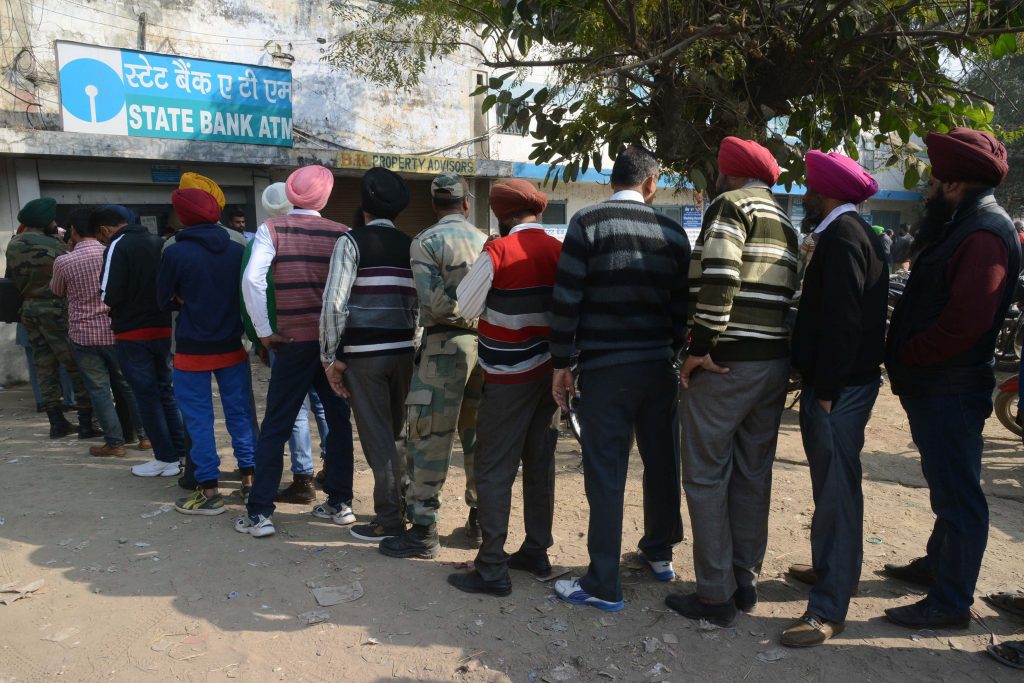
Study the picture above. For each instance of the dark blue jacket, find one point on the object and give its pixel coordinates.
(201, 269)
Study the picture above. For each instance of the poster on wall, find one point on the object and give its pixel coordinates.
(145, 94)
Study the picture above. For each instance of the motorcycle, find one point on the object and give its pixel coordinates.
(1006, 404)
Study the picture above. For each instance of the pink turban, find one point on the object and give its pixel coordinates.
(837, 176)
(747, 159)
(309, 187)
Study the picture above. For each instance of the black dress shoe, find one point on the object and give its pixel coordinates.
(925, 614)
(745, 598)
(472, 582)
(417, 541)
(918, 572)
(690, 606)
(526, 562)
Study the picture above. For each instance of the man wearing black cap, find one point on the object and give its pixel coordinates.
(367, 338)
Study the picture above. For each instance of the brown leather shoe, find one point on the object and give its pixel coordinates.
(107, 452)
(804, 573)
(144, 445)
(301, 490)
(810, 631)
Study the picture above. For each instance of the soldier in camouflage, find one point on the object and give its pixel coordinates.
(30, 258)
(445, 391)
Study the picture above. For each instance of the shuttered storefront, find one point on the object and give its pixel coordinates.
(345, 199)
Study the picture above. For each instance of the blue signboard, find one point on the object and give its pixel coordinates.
(692, 217)
(145, 94)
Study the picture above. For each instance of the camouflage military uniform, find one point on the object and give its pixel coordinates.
(30, 258)
(445, 391)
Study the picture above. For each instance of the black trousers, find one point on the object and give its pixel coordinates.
(614, 402)
(515, 423)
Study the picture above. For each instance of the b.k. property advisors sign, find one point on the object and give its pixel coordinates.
(145, 94)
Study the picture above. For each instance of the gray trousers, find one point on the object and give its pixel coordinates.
(730, 428)
(515, 424)
(379, 385)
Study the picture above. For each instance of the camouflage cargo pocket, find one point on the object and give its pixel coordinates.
(421, 414)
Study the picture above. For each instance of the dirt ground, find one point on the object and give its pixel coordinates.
(133, 596)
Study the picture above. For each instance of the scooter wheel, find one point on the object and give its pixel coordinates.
(1006, 410)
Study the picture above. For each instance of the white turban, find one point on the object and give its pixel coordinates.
(275, 201)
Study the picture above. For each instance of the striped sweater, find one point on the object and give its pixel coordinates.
(742, 278)
(303, 246)
(620, 290)
(514, 327)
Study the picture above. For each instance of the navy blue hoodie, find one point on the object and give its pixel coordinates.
(199, 276)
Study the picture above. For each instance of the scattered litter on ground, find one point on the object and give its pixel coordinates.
(923, 635)
(659, 670)
(81, 546)
(562, 672)
(61, 635)
(2, 520)
(335, 595)
(232, 595)
(875, 540)
(370, 641)
(159, 511)
(557, 625)
(771, 655)
(142, 544)
(669, 639)
(315, 616)
(651, 644)
(470, 665)
(17, 592)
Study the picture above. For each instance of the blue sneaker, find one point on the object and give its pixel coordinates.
(570, 591)
(662, 569)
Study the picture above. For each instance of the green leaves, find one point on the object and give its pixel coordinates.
(797, 75)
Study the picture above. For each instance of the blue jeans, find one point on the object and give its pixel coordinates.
(147, 367)
(195, 398)
(833, 443)
(947, 431)
(100, 373)
(295, 371)
(300, 444)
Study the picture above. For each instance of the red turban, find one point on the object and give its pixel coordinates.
(747, 159)
(195, 207)
(309, 187)
(967, 155)
(517, 197)
(837, 176)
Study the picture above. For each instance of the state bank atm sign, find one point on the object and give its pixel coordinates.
(145, 94)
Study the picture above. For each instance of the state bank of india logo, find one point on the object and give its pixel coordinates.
(93, 96)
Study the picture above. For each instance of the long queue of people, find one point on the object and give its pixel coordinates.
(685, 348)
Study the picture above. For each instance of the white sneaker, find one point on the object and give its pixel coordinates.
(342, 514)
(663, 570)
(571, 592)
(258, 525)
(156, 468)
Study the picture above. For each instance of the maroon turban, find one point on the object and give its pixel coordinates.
(837, 176)
(747, 159)
(517, 197)
(309, 187)
(195, 207)
(967, 155)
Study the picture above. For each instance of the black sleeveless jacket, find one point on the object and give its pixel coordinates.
(927, 294)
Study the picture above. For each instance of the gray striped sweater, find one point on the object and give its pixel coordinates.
(620, 290)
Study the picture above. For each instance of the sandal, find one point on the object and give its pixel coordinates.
(1010, 653)
(1007, 602)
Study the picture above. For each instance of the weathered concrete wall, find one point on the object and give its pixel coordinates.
(328, 103)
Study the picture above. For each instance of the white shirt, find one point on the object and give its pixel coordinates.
(473, 289)
(254, 279)
(628, 196)
(834, 214)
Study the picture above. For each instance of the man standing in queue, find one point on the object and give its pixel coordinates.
(445, 390)
(509, 289)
